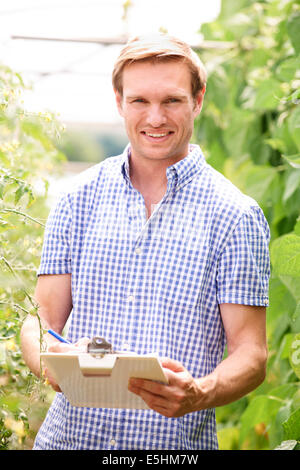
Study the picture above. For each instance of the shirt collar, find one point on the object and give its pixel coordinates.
(183, 171)
(125, 163)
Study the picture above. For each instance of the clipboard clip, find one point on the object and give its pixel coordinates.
(98, 347)
(99, 360)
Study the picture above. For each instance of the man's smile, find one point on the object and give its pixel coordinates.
(159, 136)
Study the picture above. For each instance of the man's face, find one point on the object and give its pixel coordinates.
(159, 109)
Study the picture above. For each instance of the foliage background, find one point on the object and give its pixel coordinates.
(27, 156)
(249, 130)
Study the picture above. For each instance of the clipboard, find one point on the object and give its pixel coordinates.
(101, 381)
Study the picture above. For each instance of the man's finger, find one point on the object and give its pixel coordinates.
(155, 401)
(136, 385)
(60, 347)
(171, 364)
(82, 343)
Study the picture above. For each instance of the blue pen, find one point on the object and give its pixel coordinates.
(57, 336)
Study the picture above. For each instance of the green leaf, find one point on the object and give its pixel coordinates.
(281, 131)
(286, 345)
(284, 391)
(219, 88)
(294, 126)
(228, 438)
(293, 285)
(268, 95)
(35, 130)
(292, 184)
(287, 445)
(230, 7)
(19, 193)
(287, 69)
(5, 225)
(2, 188)
(292, 426)
(277, 144)
(294, 354)
(260, 410)
(285, 255)
(258, 180)
(280, 301)
(293, 30)
(297, 226)
(297, 312)
(295, 97)
(236, 137)
(296, 400)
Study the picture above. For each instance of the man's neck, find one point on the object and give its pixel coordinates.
(146, 176)
(150, 180)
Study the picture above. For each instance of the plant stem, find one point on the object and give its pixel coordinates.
(23, 214)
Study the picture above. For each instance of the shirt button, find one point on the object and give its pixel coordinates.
(130, 298)
(112, 442)
(138, 250)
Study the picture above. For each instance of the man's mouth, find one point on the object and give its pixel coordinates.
(157, 135)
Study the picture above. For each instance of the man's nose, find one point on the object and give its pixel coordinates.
(156, 116)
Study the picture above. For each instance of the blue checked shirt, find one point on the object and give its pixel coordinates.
(152, 286)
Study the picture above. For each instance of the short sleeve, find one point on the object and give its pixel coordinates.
(244, 265)
(56, 258)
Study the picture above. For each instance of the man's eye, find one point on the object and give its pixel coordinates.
(172, 100)
(139, 100)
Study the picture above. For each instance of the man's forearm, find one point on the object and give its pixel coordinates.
(237, 375)
(53, 295)
(31, 343)
(32, 339)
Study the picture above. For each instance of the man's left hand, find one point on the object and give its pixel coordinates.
(179, 397)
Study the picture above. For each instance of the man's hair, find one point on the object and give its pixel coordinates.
(155, 48)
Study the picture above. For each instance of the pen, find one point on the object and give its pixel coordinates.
(57, 336)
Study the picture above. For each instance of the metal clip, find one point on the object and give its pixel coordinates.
(99, 347)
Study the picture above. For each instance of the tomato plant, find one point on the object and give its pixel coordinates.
(27, 156)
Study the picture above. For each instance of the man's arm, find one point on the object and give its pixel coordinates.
(53, 295)
(242, 371)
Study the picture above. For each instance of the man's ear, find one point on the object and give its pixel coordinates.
(119, 101)
(199, 101)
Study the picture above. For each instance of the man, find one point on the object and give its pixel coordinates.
(156, 251)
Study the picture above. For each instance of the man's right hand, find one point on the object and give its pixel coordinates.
(58, 347)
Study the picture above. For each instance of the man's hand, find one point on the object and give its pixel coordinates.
(238, 374)
(59, 347)
(180, 396)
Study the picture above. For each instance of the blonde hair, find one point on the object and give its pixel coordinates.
(159, 48)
